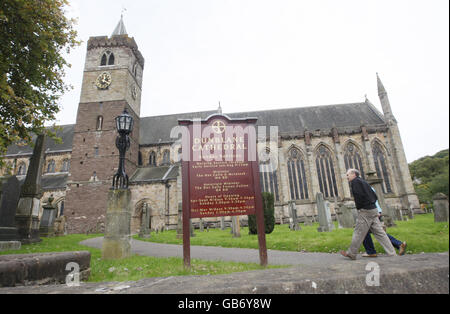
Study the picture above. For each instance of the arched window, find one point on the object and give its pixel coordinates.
(111, 59)
(152, 159)
(65, 165)
(297, 175)
(166, 157)
(99, 123)
(135, 66)
(51, 166)
(352, 158)
(268, 174)
(381, 166)
(22, 169)
(107, 58)
(325, 172)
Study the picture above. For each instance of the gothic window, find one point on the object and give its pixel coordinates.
(352, 159)
(111, 59)
(99, 123)
(51, 166)
(297, 175)
(166, 157)
(65, 165)
(268, 176)
(326, 173)
(107, 58)
(152, 159)
(381, 166)
(22, 169)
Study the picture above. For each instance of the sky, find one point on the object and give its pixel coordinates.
(271, 54)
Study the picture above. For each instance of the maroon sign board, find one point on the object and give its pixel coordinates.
(220, 174)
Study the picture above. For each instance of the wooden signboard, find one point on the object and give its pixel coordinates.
(220, 174)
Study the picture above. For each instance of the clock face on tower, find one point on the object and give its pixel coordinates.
(103, 80)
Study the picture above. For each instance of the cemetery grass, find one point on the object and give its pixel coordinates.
(135, 267)
(422, 234)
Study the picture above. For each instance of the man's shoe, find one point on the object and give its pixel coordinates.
(344, 253)
(369, 255)
(402, 250)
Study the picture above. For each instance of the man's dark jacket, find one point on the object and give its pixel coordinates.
(365, 197)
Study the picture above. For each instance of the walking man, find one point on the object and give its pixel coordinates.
(367, 219)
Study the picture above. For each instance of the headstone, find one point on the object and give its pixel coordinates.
(293, 221)
(347, 220)
(9, 198)
(202, 228)
(145, 232)
(235, 227)
(325, 222)
(191, 228)
(222, 223)
(180, 221)
(117, 240)
(440, 204)
(60, 226)
(306, 220)
(46, 228)
(27, 214)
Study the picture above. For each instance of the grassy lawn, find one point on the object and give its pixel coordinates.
(135, 267)
(421, 234)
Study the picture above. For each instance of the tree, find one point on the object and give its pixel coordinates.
(33, 35)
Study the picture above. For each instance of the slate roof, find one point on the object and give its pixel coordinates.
(289, 121)
(66, 134)
(156, 129)
(154, 174)
(50, 181)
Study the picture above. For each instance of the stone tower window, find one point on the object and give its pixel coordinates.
(99, 123)
(107, 58)
(139, 158)
(268, 174)
(297, 175)
(381, 166)
(51, 166)
(22, 169)
(352, 159)
(152, 159)
(325, 172)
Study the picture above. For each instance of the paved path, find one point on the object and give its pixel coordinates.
(226, 254)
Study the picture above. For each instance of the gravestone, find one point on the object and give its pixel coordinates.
(293, 221)
(325, 221)
(191, 228)
(27, 214)
(222, 223)
(60, 226)
(9, 198)
(235, 227)
(202, 227)
(440, 204)
(180, 221)
(144, 232)
(46, 228)
(347, 219)
(306, 220)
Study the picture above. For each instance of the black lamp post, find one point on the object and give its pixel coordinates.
(124, 125)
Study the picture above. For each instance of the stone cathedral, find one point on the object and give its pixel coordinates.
(314, 148)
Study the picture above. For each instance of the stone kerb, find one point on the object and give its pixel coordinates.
(42, 268)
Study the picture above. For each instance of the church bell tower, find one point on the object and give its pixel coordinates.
(112, 81)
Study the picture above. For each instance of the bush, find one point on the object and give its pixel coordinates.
(269, 215)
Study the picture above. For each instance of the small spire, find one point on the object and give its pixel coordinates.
(219, 110)
(381, 90)
(120, 28)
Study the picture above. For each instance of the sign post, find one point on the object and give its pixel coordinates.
(220, 174)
